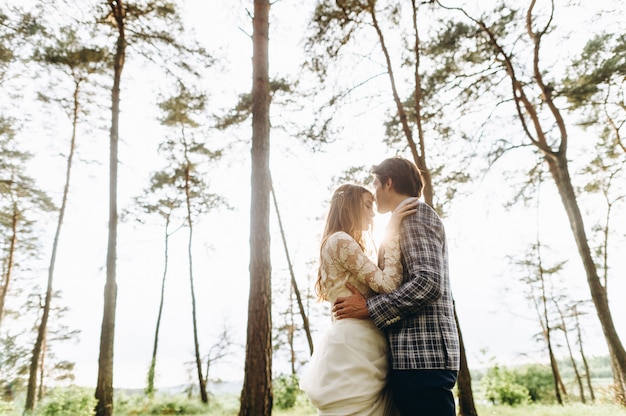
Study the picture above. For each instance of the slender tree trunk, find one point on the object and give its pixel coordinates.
(151, 371)
(417, 102)
(196, 342)
(582, 355)
(547, 333)
(560, 173)
(556, 376)
(42, 371)
(619, 383)
(294, 283)
(31, 391)
(6, 276)
(256, 395)
(557, 163)
(541, 307)
(104, 387)
(587, 375)
(466, 396)
(467, 406)
(419, 158)
(291, 330)
(579, 379)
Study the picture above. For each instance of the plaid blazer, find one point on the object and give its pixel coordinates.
(418, 317)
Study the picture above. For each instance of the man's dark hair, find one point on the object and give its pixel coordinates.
(405, 176)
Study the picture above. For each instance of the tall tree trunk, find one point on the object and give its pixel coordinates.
(294, 283)
(42, 371)
(556, 376)
(420, 158)
(31, 391)
(582, 355)
(464, 381)
(6, 276)
(196, 342)
(256, 396)
(560, 173)
(466, 396)
(618, 382)
(547, 334)
(532, 124)
(152, 369)
(104, 387)
(291, 331)
(541, 307)
(579, 380)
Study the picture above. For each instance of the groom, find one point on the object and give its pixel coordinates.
(418, 317)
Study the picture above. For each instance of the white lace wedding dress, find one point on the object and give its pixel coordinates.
(348, 370)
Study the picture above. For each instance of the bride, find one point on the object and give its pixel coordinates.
(347, 372)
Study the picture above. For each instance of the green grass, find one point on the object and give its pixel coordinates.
(228, 405)
(483, 410)
(575, 409)
(303, 409)
(552, 410)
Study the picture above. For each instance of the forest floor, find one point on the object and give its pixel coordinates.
(490, 410)
(228, 405)
(303, 408)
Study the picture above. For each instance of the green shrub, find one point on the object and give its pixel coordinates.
(68, 401)
(172, 406)
(159, 405)
(7, 407)
(539, 382)
(501, 387)
(286, 391)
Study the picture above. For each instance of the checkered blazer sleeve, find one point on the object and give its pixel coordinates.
(422, 242)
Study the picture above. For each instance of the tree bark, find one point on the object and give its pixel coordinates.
(618, 382)
(42, 371)
(196, 342)
(582, 355)
(466, 396)
(151, 371)
(467, 406)
(532, 124)
(256, 395)
(547, 334)
(579, 380)
(6, 276)
(104, 387)
(556, 376)
(294, 283)
(560, 173)
(31, 391)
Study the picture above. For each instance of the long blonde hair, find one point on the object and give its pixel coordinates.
(345, 214)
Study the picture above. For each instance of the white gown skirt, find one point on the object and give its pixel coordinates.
(348, 370)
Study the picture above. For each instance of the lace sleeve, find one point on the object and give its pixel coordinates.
(353, 259)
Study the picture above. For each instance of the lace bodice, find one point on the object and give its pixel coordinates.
(344, 261)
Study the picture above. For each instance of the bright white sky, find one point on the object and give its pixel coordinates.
(480, 234)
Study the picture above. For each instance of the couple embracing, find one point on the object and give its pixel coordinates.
(393, 346)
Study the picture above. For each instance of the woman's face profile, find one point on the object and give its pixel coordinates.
(367, 214)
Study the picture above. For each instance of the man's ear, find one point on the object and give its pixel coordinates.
(389, 183)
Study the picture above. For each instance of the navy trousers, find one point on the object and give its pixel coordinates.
(423, 392)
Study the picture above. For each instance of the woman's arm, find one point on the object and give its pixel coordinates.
(351, 257)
